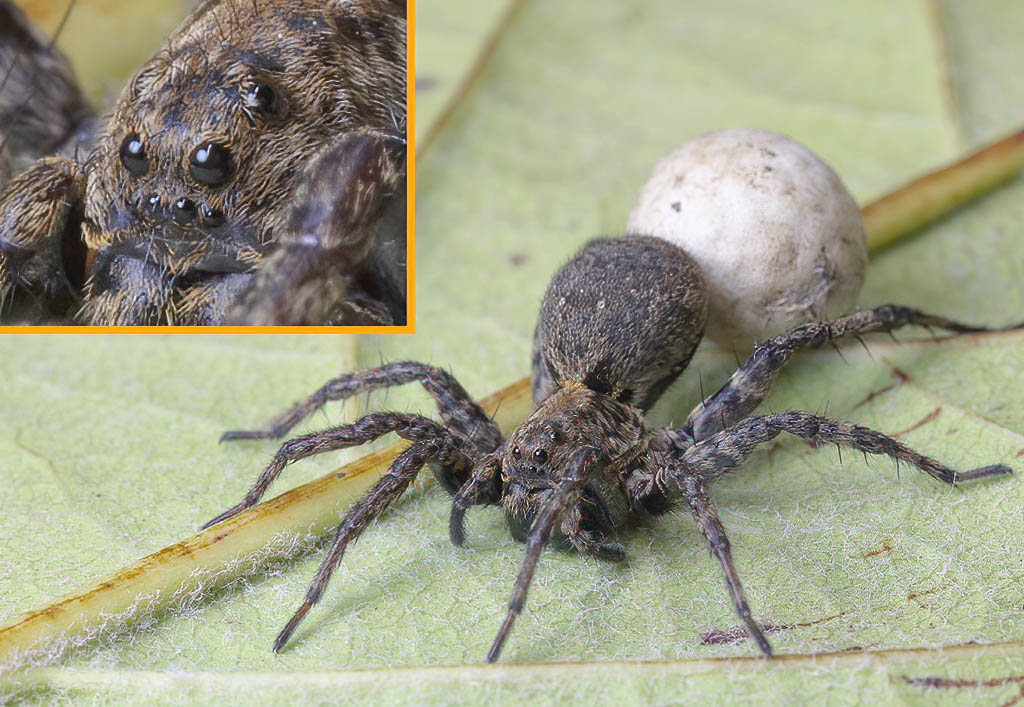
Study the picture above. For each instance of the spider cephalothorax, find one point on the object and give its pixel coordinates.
(541, 450)
(199, 180)
(618, 324)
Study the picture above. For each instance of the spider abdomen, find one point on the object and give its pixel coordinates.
(622, 318)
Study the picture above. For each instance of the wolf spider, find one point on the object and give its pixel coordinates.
(617, 326)
(252, 172)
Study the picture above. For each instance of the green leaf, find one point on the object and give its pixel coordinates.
(452, 38)
(108, 444)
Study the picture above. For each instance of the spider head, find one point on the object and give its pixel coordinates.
(531, 461)
(539, 457)
(202, 158)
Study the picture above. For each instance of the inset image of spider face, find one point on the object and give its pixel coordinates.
(187, 201)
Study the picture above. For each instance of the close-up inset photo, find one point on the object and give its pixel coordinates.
(250, 171)
(712, 395)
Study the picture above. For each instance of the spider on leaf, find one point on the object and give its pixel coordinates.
(618, 324)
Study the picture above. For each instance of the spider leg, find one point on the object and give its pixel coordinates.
(457, 409)
(562, 498)
(206, 301)
(345, 239)
(126, 291)
(483, 487)
(591, 530)
(412, 427)
(41, 250)
(42, 109)
(44, 120)
(752, 381)
(403, 470)
(585, 542)
(704, 512)
(728, 449)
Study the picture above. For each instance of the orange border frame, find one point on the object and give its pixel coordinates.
(410, 229)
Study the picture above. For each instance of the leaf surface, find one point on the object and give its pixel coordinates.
(109, 444)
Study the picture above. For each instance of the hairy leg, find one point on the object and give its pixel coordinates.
(728, 449)
(403, 470)
(704, 461)
(704, 512)
(41, 251)
(42, 112)
(412, 427)
(561, 499)
(42, 109)
(127, 291)
(334, 235)
(482, 488)
(205, 301)
(752, 381)
(457, 409)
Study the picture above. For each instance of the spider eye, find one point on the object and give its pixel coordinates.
(516, 452)
(184, 210)
(210, 164)
(262, 96)
(211, 216)
(259, 95)
(133, 155)
(540, 456)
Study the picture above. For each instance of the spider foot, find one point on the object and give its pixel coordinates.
(602, 550)
(754, 631)
(499, 640)
(235, 435)
(289, 628)
(233, 511)
(981, 472)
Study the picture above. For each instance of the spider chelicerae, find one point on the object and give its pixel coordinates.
(618, 324)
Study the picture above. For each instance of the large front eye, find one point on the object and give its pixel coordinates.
(133, 155)
(210, 164)
(540, 456)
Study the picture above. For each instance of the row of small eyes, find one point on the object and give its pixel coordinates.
(209, 163)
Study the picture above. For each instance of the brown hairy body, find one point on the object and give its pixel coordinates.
(618, 324)
(252, 171)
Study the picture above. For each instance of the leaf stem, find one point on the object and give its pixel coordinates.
(926, 199)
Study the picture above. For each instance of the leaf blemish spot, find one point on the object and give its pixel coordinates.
(871, 396)
(920, 423)
(886, 547)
